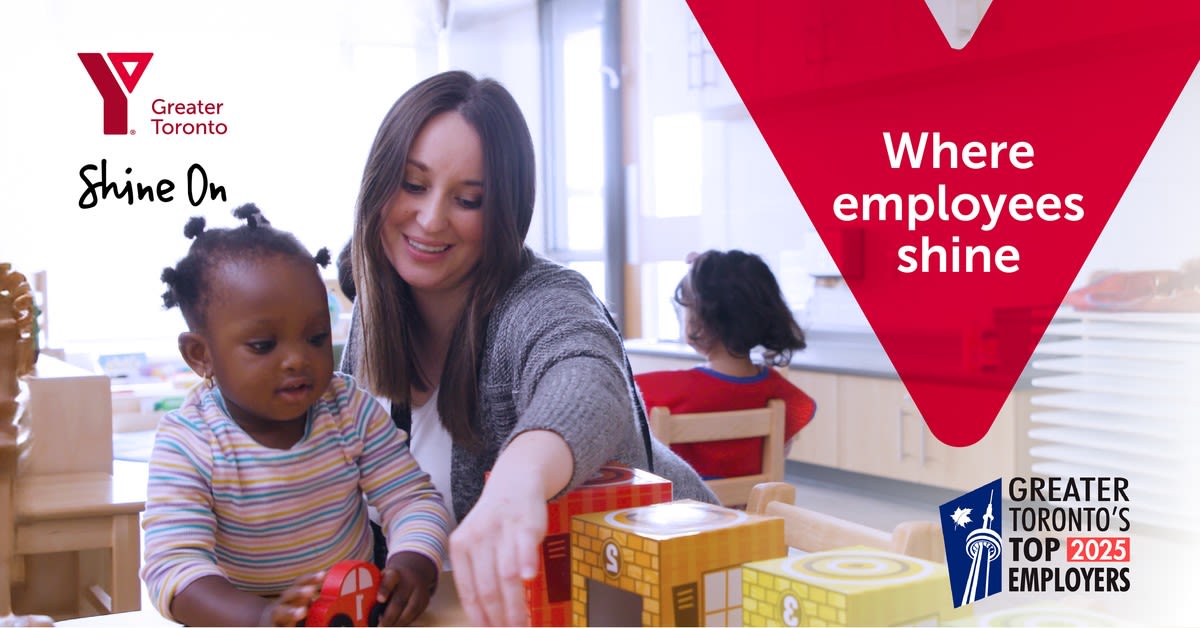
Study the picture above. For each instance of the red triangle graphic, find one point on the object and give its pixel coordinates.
(1086, 84)
(139, 60)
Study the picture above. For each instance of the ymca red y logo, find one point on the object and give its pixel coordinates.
(116, 101)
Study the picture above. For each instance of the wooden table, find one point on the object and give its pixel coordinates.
(75, 512)
(444, 610)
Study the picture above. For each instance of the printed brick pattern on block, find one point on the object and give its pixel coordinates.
(548, 595)
(663, 556)
(856, 586)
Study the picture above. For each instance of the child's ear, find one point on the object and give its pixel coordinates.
(194, 349)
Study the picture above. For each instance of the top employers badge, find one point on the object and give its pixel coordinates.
(971, 525)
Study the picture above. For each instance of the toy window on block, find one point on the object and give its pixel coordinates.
(855, 586)
(548, 596)
(676, 564)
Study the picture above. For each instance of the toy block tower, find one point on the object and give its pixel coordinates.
(548, 596)
(676, 564)
(856, 586)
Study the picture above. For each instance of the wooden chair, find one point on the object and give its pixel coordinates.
(716, 426)
(71, 540)
(813, 531)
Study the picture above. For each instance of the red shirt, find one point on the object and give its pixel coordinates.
(702, 389)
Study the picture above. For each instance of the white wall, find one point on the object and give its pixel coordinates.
(304, 86)
(500, 40)
(1157, 223)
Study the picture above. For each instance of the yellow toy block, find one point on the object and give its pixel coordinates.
(855, 586)
(676, 564)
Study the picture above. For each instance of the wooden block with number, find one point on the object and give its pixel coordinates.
(855, 586)
(676, 564)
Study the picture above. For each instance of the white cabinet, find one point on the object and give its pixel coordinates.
(663, 63)
(679, 70)
(883, 433)
(683, 95)
(817, 443)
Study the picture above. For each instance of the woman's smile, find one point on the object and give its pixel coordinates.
(426, 246)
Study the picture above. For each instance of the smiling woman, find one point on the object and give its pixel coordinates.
(493, 357)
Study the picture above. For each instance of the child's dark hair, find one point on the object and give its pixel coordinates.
(736, 300)
(187, 282)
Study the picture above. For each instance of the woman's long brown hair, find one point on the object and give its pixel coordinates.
(389, 317)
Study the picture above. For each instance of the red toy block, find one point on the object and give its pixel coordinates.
(548, 595)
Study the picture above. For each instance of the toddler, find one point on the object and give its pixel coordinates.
(257, 481)
(731, 304)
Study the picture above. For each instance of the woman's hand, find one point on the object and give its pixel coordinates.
(406, 585)
(291, 607)
(495, 548)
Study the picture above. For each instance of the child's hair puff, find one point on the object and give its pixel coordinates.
(187, 281)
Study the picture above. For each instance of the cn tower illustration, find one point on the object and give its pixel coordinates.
(983, 546)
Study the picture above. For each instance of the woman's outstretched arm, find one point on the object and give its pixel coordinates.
(495, 548)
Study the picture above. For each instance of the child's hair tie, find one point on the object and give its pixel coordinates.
(169, 277)
(194, 227)
(252, 215)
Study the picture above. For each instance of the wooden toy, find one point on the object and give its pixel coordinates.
(548, 596)
(17, 342)
(347, 596)
(813, 531)
(855, 586)
(14, 316)
(676, 564)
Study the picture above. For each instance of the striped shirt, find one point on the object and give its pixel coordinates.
(221, 504)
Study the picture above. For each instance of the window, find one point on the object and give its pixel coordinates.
(723, 597)
(582, 172)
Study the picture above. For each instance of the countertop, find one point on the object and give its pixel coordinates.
(852, 354)
(843, 353)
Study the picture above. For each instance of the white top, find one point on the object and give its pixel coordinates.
(430, 444)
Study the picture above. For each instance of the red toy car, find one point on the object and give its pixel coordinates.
(347, 596)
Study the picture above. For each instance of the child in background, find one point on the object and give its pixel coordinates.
(257, 481)
(731, 304)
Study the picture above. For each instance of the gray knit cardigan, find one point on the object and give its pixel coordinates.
(553, 361)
